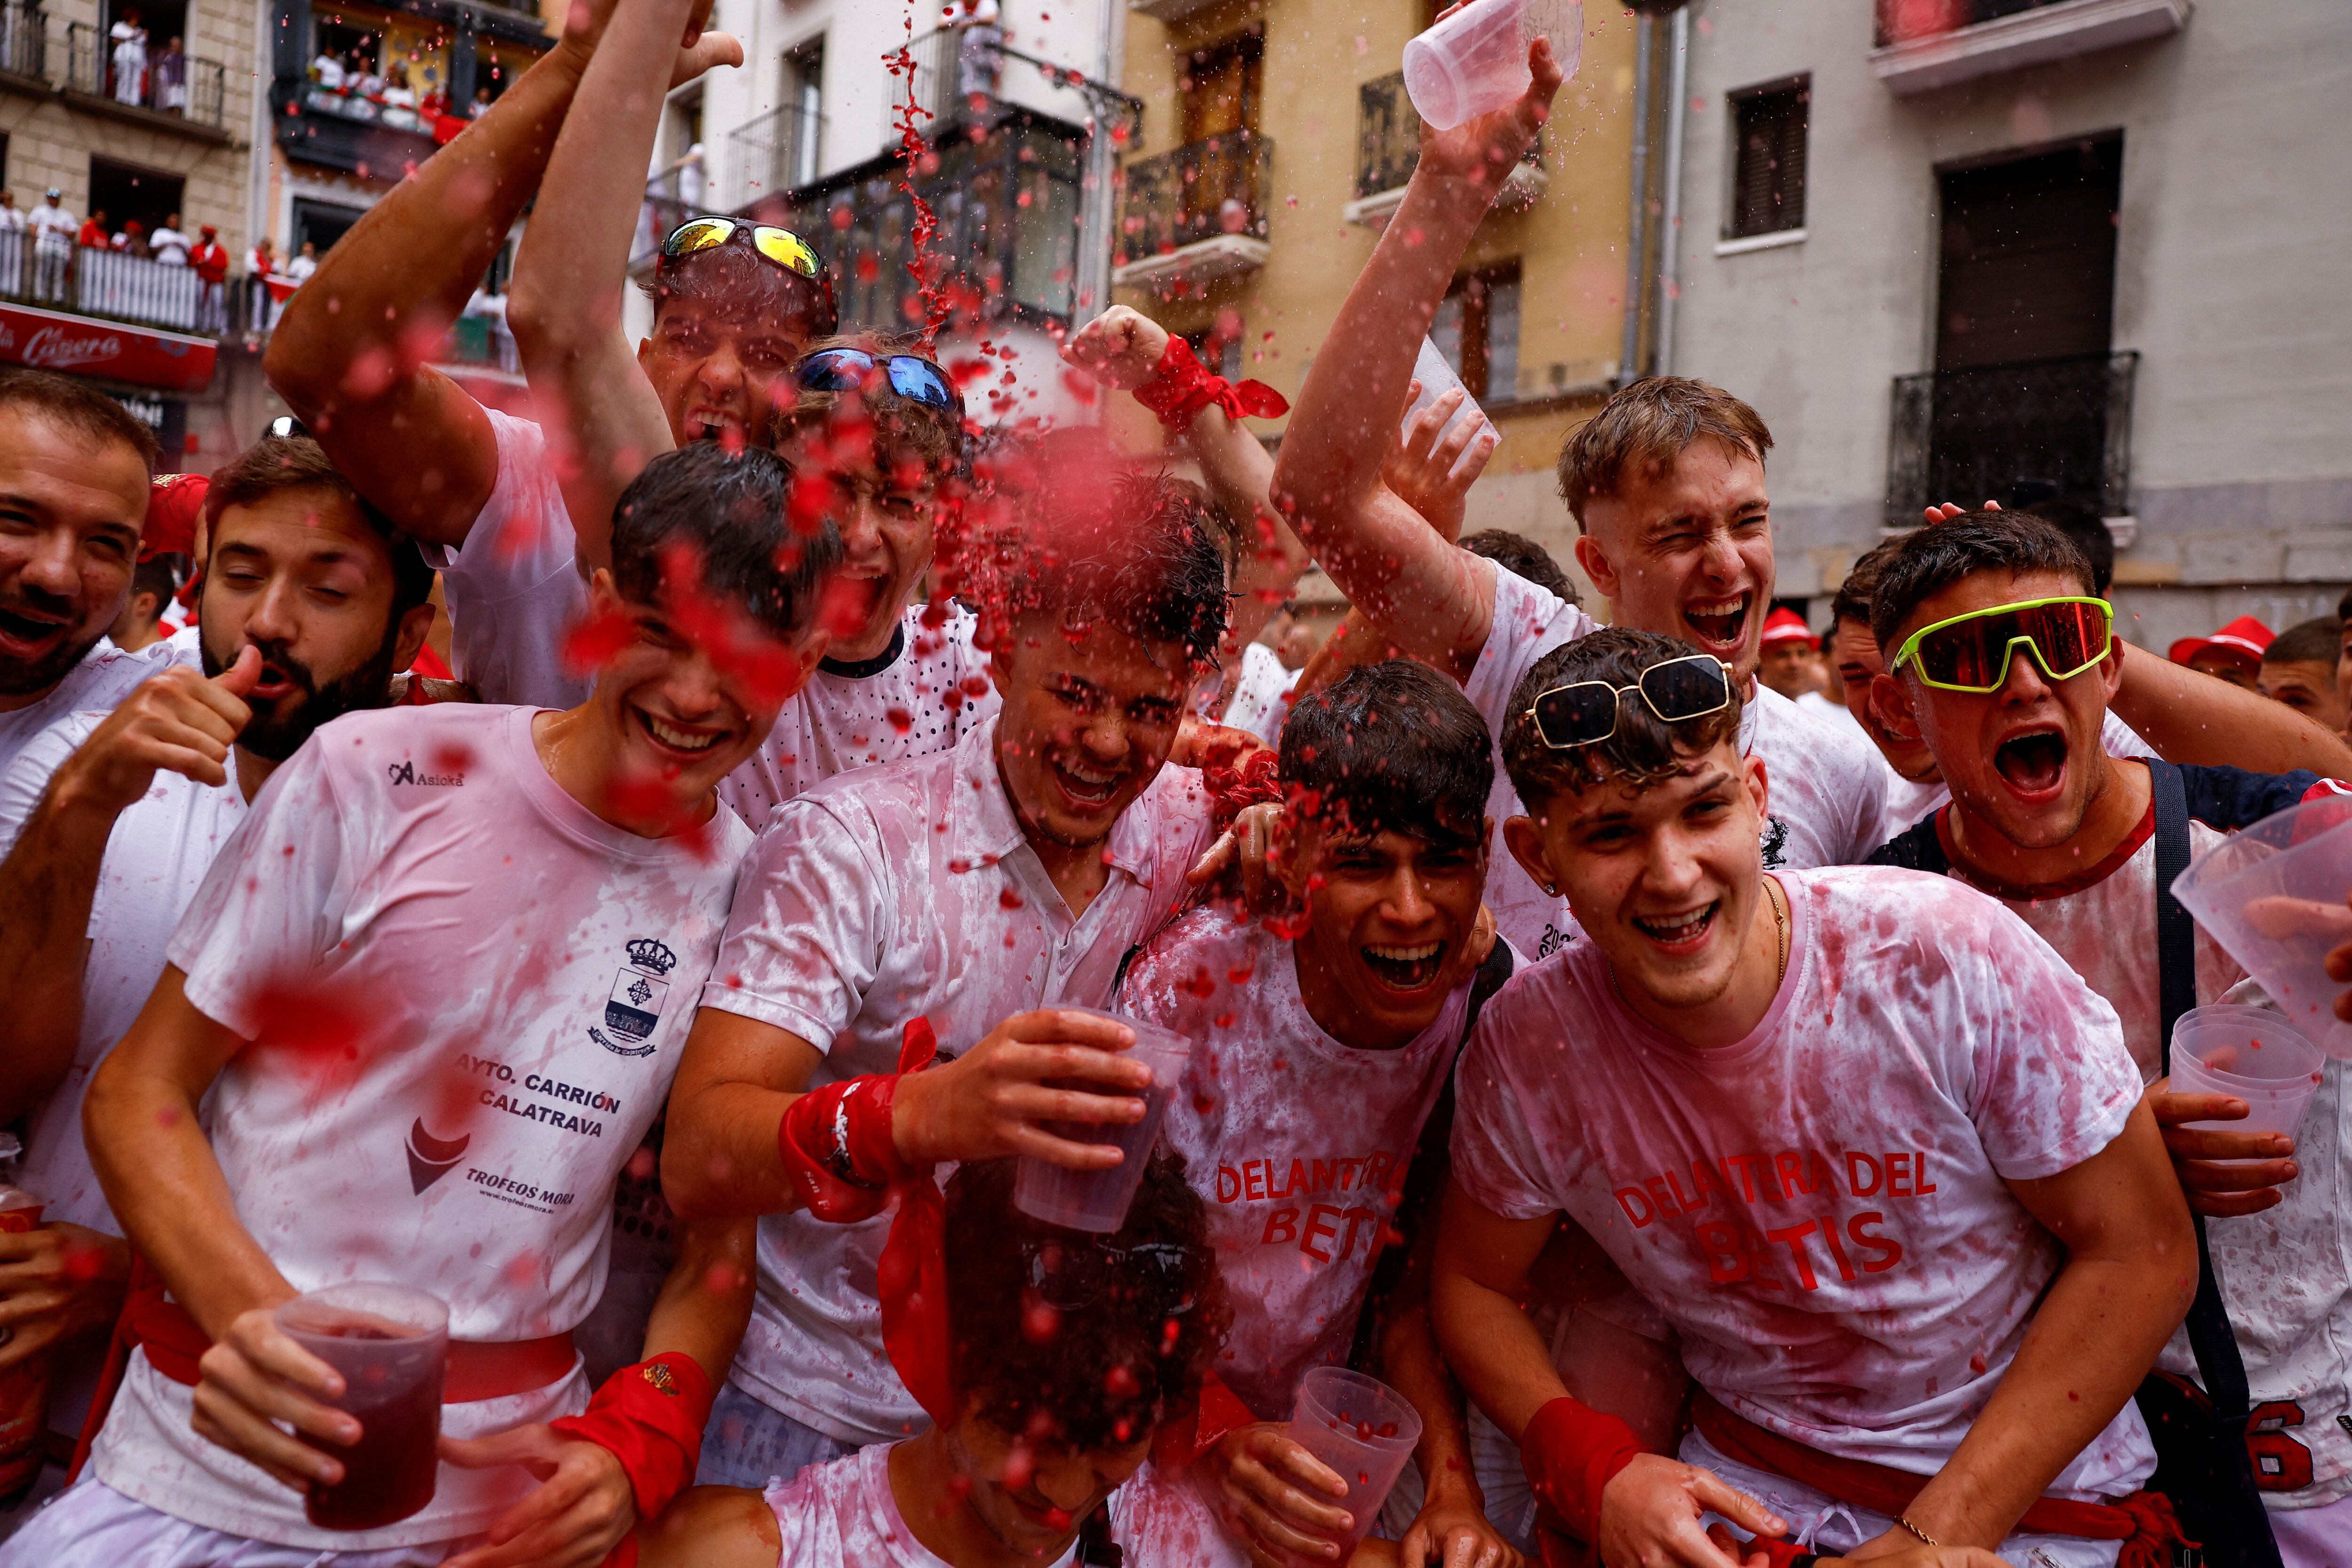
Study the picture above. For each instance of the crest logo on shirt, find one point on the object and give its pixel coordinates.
(431, 1158)
(633, 1008)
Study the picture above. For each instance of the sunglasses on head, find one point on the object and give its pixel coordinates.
(916, 379)
(1970, 652)
(783, 246)
(1585, 713)
(1071, 1275)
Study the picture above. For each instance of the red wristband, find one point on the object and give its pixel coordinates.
(1181, 387)
(650, 1416)
(838, 1148)
(1571, 1451)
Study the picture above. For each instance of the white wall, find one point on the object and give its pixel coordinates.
(2233, 271)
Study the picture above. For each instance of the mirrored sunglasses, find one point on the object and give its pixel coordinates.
(783, 246)
(916, 379)
(1971, 653)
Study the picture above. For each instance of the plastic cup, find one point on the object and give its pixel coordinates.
(2274, 897)
(391, 1343)
(1475, 61)
(1365, 1431)
(1437, 378)
(2250, 1053)
(1098, 1200)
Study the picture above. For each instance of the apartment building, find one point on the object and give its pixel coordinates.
(2082, 249)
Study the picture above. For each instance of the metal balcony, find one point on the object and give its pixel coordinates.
(1388, 150)
(779, 151)
(180, 93)
(1927, 44)
(2038, 430)
(1196, 214)
(24, 46)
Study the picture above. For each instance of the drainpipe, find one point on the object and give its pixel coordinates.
(1637, 221)
(1669, 232)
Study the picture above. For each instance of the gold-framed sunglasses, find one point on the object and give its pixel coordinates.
(1585, 713)
(1970, 652)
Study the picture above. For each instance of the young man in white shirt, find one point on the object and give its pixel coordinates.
(1666, 483)
(2003, 666)
(1318, 1057)
(1874, 1152)
(395, 995)
(311, 601)
(1066, 1355)
(75, 470)
(956, 896)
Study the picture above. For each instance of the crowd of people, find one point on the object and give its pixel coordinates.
(1736, 1122)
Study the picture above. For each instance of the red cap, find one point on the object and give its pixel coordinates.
(174, 502)
(1788, 626)
(2244, 638)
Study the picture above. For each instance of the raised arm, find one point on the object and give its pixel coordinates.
(2192, 718)
(1428, 596)
(350, 354)
(564, 306)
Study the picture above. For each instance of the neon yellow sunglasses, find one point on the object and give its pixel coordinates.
(1971, 653)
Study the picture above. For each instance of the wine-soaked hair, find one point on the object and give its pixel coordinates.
(1393, 747)
(723, 512)
(905, 432)
(1091, 1341)
(1643, 750)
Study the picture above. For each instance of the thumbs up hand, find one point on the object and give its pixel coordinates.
(177, 720)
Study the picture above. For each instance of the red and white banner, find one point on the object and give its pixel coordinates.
(80, 345)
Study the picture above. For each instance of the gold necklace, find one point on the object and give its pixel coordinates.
(1781, 923)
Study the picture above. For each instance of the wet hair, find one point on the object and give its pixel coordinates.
(2315, 641)
(1096, 535)
(277, 463)
(2083, 523)
(1644, 427)
(79, 407)
(1522, 557)
(727, 511)
(1853, 595)
(1935, 557)
(1392, 746)
(1642, 752)
(903, 428)
(739, 278)
(1055, 1332)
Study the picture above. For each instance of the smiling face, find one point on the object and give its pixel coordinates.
(301, 576)
(1088, 720)
(1859, 663)
(71, 508)
(2026, 759)
(1390, 917)
(1667, 878)
(885, 512)
(1033, 1495)
(1687, 551)
(675, 719)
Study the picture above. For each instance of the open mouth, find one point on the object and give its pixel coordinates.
(685, 743)
(1679, 933)
(709, 424)
(274, 682)
(2033, 763)
(1087, 788)
(29, 633)
(1718, 622)
(1405, 968)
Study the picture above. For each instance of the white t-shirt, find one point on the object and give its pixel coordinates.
(1261, 699)
(514, 587)
(53, 226)
(1830, 713)
(918, 697)
(1297, 1144)
(1819, 1210)
(894, 892)
(843, 1515)
(170, 247)
(105, 676)
(1825, 785)
(469, 996)
(157, 855)
(1907, 803)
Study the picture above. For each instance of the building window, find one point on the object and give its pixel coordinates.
(1767, 128)
(804, 102)
(1478, 330)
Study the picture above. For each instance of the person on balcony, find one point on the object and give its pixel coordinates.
(129, 58)
(328, 71)
(169, 245)
(52, 227)
(210, 258)
(95, 233)
(172, 79)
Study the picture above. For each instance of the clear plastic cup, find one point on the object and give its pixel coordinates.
(1437, 378)
(1364, 1431)
(391, 1343)
(1096, 1200)
(1475, 61)
(2251, 1054)
(2274, 897)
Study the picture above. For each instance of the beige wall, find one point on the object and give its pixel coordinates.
(1570, 242)
(50, 140)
